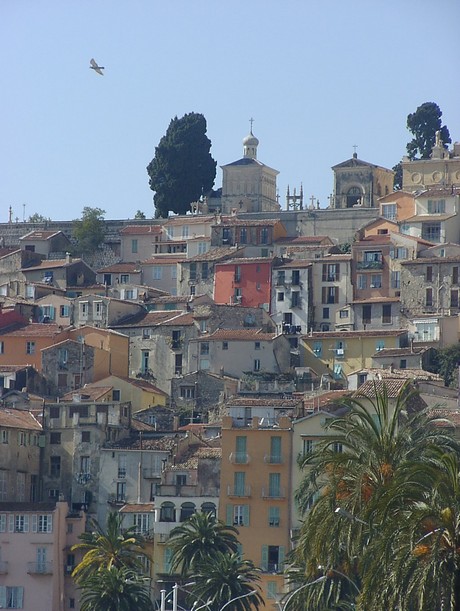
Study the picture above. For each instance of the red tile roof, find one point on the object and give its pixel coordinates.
(33, 329)
(18, 419)
(39, 235)
(141, 230)
(121, 267)
(240, 335)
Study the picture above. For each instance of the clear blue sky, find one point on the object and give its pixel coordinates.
(317, 76)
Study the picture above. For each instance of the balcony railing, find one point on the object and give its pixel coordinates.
(239, 458)
(274, 459)
(40, 568)
(369, 265)
(274, 493)
(239, 491)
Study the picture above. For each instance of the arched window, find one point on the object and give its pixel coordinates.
(186, 510)
(168, 512)
(354, 196)
(209, 508)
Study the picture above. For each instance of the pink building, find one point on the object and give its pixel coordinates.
(35, 556)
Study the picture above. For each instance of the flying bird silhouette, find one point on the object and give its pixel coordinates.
(96, 68)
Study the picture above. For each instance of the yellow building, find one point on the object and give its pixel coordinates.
(337, 353)
(255, 492)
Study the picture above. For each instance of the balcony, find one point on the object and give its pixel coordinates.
(113, 499)
(239, 458)
(3, 567)
(275, 493)
(40, 568)
(239, 491)
(273, 459)
(369, 264)
(148, 473)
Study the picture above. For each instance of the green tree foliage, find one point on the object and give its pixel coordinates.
(183, 168)
(398, 177)
(89, 231)
(38, 218)
(115, 589)
(139, 215)
(114, 546)
(446, 363)
(423, 124)
(198, 539)
(225, 576)
(349, 478)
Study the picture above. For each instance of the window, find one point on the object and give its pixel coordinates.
(241, 456)
(307, 446)
(121, 491)
(272, 590)
(274, 485)
(176, 339)
(30, 347)
(116, 394)
(134, 246)
(167, 512)
(455, 275)
(281, 277)
(157, 272)
(5, 435)
(178, 364)
(275, 450)
(330, 294)
(55, 438)
(11, 597)
(295, 299)
(274, 516)
(239, 480)
(295, 277)
(431, 232)
(403, 364)
(71, 603)
(144, 361)
(224, 345)
(204, 348)
(256, 345)
(367, 314)
(429, 297)
(429, 273)
(3, 485)
(204, 270)
(2, 522)
(97, 305)
(395, 279)
(272, 558)
(343, 314)
(202, 248)
(21, 523)
(436, 206)
(331, 272)
(362, 281)
(21, 438)
(326, 313)
(379, 345)
(454, 298)
(238, 273)
(386, 313)
(181, 479)
(243, 235)
(399, 253)
(187, 392)
(62, 380)
(85, 464)
(141, 523)
(45, 523)
(84, 308)
(389, 211)
(2, 347)
(192, 274)
(264, 235)
(280, 296)
(185, 231)
(187, 510)
(239, 515)
(376, 281)
(318, 348)
(256, 364)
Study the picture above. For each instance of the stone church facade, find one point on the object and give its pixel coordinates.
(358, 183)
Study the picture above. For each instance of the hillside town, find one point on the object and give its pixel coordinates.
(187, 364)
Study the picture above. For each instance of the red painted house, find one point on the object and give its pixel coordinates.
(244, 282)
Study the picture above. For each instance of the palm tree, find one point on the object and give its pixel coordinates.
(225, 576)
(117, 547)
(115, 589)
(419, 550)
(199, 539)
(347, 488)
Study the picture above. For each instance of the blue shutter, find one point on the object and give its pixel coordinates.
(3, 597)
(246, 515)
(264, 563)
(281, 555)
(229, 515)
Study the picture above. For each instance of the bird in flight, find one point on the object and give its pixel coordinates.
(96, 68)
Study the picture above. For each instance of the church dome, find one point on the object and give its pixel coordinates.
(250, 140)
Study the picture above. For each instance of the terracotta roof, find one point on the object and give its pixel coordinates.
(254, 402)
(121, 267)
(192, 457)
(425, 260)
(409, 374)
(25, 506)
(214, 254)
(240, 335)
(190, 219)
(369, 388)
(52, 264)
(150, 319)
(165, 260)
(448, 417)
(401, 351)
(381, 299)
(147, 386)
(185, 318)
(248, 261)
(305, 239)
(137, 507)
(18, 419)
(165, 443)
(141, 230)
(454, 190)
(295, 263)
(349, 334)
(39, 235)
(327, 398)
(87, 393)
(33, 329)
(5, 252)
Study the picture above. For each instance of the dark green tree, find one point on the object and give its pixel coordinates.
(398, 177)
(446, 363)
(89, 231)
(183, 169)
(224, 577)
(104, 548)
(139, 215)
(423, 124)
(38, 218)
(198, 539)
(115, 589)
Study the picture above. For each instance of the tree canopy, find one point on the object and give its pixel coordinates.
(89, 231)
(183, 169)
(423, 124)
